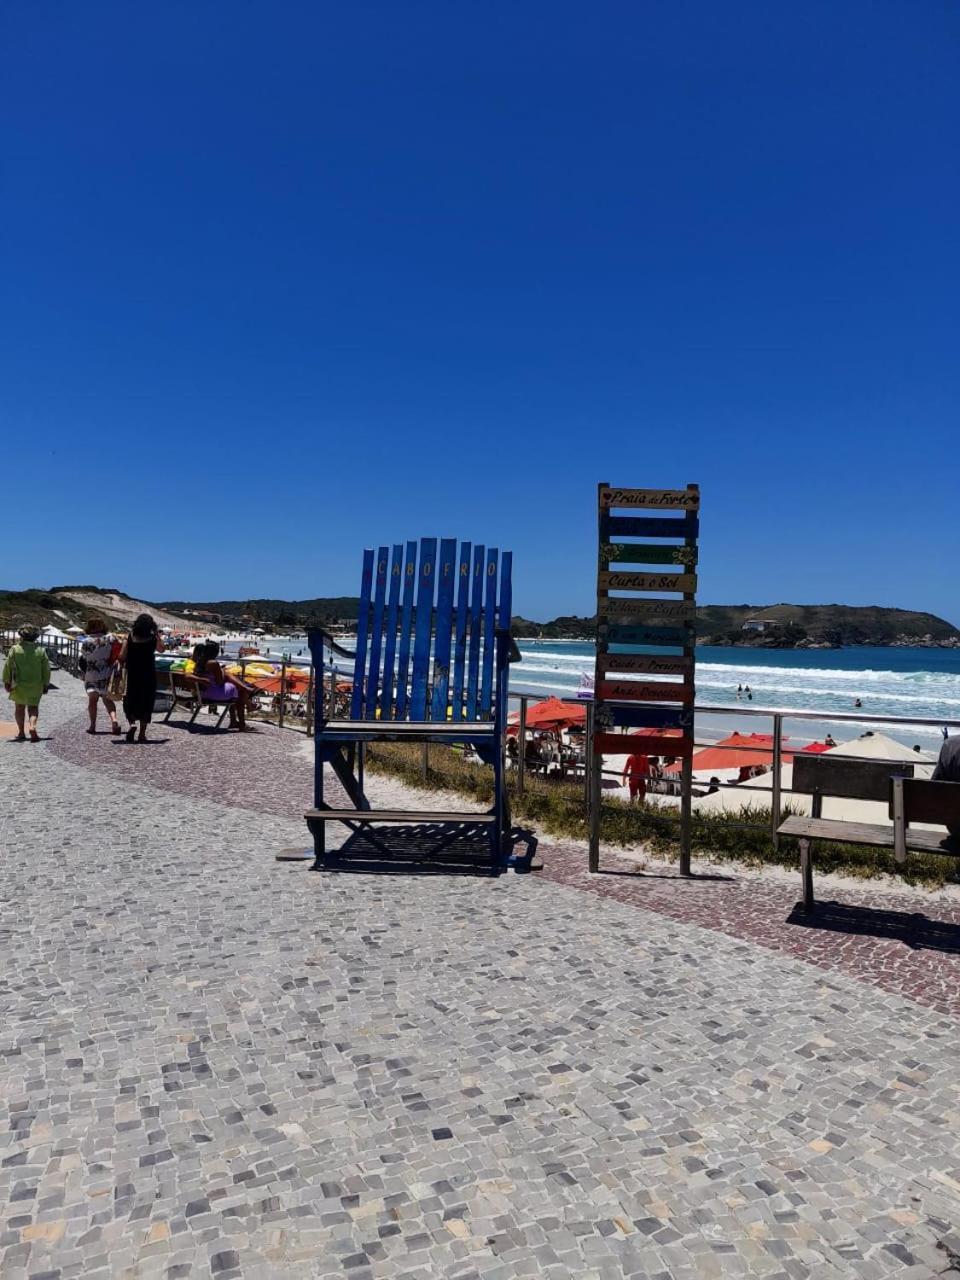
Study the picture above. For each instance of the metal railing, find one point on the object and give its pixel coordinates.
(293, 708)
(63, 651)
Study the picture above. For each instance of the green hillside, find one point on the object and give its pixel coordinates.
(830, 624)
(783, 625)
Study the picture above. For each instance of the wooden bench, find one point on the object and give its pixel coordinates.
(909, 799)
(431, 665)
(187, 692)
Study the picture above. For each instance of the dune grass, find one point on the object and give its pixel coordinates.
(558, 809)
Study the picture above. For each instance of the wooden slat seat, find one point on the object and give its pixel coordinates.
(386, 730)
(430, 665)
(398, 815)
(878, 835)
(911, 800)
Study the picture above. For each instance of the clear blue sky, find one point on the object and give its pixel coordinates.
(281, 280)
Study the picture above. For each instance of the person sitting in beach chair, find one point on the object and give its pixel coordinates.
(217, 687)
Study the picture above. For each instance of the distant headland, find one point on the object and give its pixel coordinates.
(755, 626)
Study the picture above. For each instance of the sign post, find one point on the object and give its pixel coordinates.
(646, 637)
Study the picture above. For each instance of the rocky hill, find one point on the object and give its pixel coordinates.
(820, 626)
(68, 606)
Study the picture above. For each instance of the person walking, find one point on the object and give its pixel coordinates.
(98, 656)
(138, 656)
(26, 678)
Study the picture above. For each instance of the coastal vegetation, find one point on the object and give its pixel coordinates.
(775, 626)
(558, 809)
(779, 626)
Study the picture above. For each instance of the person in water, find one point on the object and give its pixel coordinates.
(26, 678)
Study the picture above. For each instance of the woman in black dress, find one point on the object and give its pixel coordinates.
(137, 656)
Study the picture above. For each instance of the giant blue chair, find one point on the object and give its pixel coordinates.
(431, 665)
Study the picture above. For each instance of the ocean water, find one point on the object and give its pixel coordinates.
(912, 684)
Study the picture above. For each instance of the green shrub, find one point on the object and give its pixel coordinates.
(558, 808)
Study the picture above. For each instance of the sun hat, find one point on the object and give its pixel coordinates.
(28, 632)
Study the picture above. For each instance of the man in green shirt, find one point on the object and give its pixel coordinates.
(26, 678)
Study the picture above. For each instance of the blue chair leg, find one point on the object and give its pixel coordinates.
(496, 827)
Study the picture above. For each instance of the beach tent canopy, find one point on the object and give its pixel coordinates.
(297, 681)
(549, 714)
(75, 630)
(53, 632)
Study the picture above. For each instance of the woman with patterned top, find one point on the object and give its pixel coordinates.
(99, 653)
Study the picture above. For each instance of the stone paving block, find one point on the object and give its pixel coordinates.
(215, 1064)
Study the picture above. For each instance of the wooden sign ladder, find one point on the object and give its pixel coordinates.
(646, 627)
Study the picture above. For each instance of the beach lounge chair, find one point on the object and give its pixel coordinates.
(187, 691)
(431, 665)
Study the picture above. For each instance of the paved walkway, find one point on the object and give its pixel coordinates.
(214, 1063)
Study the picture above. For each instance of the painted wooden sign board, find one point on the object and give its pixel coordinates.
(662, 499)
(682, 582)
(641, 610)
(611, 527)
(625, 715)
(644, 691)
(647, 553)
(624, 634)
(654, 664)
(647, 744)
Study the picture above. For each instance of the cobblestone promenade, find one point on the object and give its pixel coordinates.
(213, 1063)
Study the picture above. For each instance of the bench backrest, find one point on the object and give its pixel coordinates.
(818, 775)
(459, 597)
(925, 801)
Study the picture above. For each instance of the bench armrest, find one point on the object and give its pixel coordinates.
(505, 638)
(327, 639)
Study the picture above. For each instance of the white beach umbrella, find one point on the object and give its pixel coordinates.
(879, 746)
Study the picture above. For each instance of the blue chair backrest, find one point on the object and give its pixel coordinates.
(461, 598)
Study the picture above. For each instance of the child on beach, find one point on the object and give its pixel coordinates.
(26, 678)
(635, 774)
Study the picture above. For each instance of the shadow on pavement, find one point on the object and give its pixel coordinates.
(448, 849)
(912, 928)
(669, 875)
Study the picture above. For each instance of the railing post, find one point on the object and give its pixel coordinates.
(592, 765)
(522, 745)
(587, 740)
(777, 769)
(686, 812)
(308, 719)
(283, 690)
